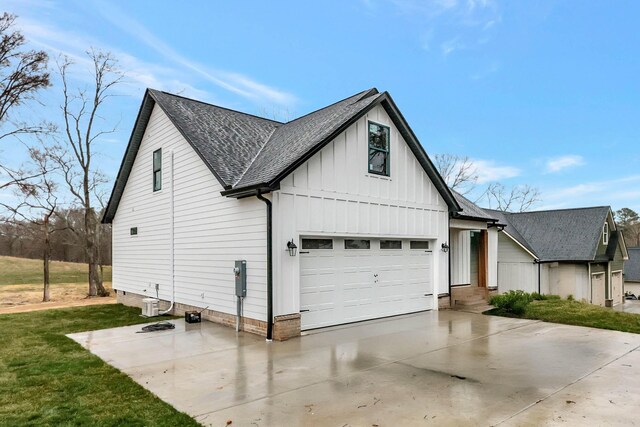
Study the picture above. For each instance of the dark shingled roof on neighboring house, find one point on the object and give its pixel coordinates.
(559, 235)
(503, 218)
(250, 154)
(632, 266)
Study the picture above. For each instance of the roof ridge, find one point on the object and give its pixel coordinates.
(216, 106)
(365, 92)
(266, 141)
(560, 210)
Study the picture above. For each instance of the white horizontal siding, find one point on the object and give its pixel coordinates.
(210, 231)
(333, 194)
(516, 268)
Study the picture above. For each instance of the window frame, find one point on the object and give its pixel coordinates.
(605, 233)
(391, 240)
(411, 244)
(157, 184)
(306, 239)
(357, 249)
(387, 151)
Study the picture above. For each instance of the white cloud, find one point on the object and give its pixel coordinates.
(488, 171)
(617, 193)
(561, 163)
(231, 81)
(450, 46)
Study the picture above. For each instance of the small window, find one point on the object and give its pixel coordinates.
(379, 143)
(317, 244)
(133, 231)
(157, 170)
(605, 234)
(419, 244)
(357, 244)
(390, 244)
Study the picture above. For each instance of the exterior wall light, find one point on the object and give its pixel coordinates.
(292, 248)
(445, 247)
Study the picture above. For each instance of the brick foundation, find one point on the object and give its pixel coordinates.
(444, 302)
(284, 327)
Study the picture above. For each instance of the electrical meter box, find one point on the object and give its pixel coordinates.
(240, 272)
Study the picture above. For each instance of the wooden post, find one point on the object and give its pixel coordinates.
(483, 262)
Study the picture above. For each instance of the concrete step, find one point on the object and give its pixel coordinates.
(470, 302)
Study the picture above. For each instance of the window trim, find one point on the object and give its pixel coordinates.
(357, 249)
(391, 240)
(428, 248)
(387, 151)
(154, 170)
(302, 242)
(605, 233)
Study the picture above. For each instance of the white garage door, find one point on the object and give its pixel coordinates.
(616, 287)
(347, 280)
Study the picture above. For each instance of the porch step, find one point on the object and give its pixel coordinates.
(471, 302)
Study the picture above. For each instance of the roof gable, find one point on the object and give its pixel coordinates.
(248, 154)
(559, 235)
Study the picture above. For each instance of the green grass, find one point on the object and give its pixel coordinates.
(577, 313)
(49, 379)
(20, 271)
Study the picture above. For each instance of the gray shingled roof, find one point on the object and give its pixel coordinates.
(248, 153)
(295, 139)
(227, 140)
(558, 235)
(470, 210)
(503, 218)
(632, 266)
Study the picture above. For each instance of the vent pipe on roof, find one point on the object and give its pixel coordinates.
(269, 266)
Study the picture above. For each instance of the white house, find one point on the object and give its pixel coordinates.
(349, 186)
(577, 252)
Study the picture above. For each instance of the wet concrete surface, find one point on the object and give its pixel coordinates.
(629, 306)
(434, 368)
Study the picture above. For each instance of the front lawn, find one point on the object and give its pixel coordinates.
(577, 313)
(49, 379)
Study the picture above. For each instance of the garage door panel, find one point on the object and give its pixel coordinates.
(342, 285)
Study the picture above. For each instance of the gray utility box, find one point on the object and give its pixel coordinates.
(240, 272)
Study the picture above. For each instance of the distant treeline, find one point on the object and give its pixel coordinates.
(24, 239)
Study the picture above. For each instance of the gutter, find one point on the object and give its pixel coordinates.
(269, 264)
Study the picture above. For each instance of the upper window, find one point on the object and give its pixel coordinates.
(157, 170)
(605, 234)
(379, 144)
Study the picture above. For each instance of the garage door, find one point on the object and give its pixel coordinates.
(347, 280)
(616, 287)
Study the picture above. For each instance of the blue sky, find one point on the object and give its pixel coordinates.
(542, 93)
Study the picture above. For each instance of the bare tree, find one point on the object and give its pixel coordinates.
(458, 172)
(520, 198)
(37, 206)
(80, 110)
(461, 175)
(23, 73)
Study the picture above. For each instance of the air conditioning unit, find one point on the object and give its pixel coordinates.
(150, 307)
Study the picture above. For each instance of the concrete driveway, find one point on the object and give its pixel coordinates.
(435, 368)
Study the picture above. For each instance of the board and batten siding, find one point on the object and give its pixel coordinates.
(332, 194)
(516, 268)
(210, 231)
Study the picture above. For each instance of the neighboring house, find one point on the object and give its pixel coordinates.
(577, 252)
(349, 186)
(632, 272)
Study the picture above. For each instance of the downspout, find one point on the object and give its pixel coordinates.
(539, 286)
(449, 256)
(269, 266)
(171, 237)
